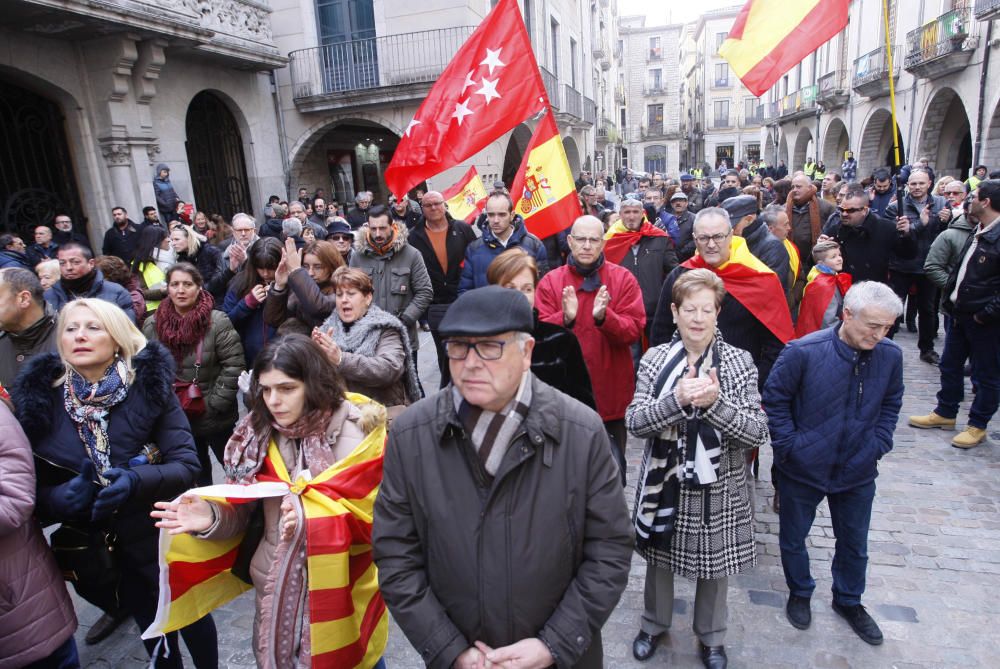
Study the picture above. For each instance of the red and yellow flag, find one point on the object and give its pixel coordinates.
(754, 285)
(348, 622)
(467, 197)
(770, 37)
(816, 298)
(543, 191)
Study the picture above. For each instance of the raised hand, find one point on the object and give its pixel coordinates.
(281, 272)
(188, 514)
(601, 301)
(569, 305)
(237, 254)
(292, 256)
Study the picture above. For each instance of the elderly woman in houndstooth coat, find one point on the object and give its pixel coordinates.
(696, 403)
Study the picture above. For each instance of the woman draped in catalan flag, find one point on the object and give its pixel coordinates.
(309, 455)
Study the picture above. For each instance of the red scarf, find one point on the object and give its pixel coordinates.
(618, 245)
(181, 333)
(384, 248)
(816, 298)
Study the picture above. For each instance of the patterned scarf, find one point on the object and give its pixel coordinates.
(88, 405)
(246, 450)
(591, 275)
(181, 333)
(491, 432)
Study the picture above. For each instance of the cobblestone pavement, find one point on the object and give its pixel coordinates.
(934, 570)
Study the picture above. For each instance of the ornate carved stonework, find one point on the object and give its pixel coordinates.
(117, 154)
(246, 19)
(152, 150)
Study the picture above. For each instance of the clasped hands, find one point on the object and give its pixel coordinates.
(695, 391)
(570, 304)
(525, 654)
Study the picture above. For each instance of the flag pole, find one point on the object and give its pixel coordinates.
(892, 83)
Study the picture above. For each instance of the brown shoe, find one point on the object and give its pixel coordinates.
(932, 420)
(969, 437)
(104, 626)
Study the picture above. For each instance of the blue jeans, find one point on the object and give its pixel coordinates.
(980, 344)
(63, 657)
(850, 513)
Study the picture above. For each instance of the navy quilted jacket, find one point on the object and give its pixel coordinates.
(832, 409)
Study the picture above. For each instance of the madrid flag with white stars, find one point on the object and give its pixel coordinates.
(492, 84)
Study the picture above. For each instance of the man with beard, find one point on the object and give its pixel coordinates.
(807, 213)
(64, 231)
(121, 238)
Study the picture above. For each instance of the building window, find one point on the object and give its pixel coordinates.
(656, 80)
(572, 62)
(753, 151)
(722, 74)
(655, 158)
(721, 114)
(752, 110)
(654, 48)
(719, 39)
(654, 119)
(554, 46)
(724, 155)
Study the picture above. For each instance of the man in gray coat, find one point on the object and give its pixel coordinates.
(500, 529)
(27, 324)
(402, 286)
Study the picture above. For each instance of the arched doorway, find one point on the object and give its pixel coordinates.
(654, 158)
(572, 155)
(36, 177)
(516, 147)
(835, 144)
(804, 148)
(783, 153)
(215, 157)
(946, 137)
(875, 148)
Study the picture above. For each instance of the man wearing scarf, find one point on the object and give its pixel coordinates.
(81, 278)
(807, 213)
(399, 277)
(601, 302)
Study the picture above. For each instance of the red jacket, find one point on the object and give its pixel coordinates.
(606, 348)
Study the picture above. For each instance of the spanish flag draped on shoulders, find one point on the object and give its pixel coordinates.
(754, 285)
(620, 239)
(319, 604)
(822, 299)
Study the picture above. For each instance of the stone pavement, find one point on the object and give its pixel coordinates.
(934, 570)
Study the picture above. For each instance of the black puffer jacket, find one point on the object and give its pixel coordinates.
(557, 359)
(768, 249)
(149, 414)
(867, 247)
(979, 293)
(655, 258)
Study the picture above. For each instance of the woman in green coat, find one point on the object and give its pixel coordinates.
(207, 350)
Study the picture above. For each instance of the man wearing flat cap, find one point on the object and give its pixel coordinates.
(500, 532)
(744, 217)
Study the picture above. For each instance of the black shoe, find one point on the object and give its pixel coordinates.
(104, 626)
(645, 645)
(930, 357)
(714, 657)
(862, 623)
(798, 612)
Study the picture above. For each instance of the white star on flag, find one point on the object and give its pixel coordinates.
(461, 110)
(492, 59)
(468, 82)
(489, 89)
(413, 124)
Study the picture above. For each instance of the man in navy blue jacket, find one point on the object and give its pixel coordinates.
(832, 401)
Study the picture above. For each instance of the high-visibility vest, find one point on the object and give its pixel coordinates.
(152, 275)
(810, 169)
(819, 174)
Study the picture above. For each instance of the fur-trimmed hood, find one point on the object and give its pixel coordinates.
(361, 244)
(34, 399)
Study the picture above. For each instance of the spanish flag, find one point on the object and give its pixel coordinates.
(770, 37)
(754, 285)
(466, 198)
(620, 239)
(348, 622)
(543, 191)
(794, 261)
(821, 288)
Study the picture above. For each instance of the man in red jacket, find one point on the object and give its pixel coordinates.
(601, 302)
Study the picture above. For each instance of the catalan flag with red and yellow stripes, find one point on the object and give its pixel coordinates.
(543, 191)
(770, 37)
(348, 622)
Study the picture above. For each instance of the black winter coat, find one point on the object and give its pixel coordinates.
(924, 234)
(868, 247)
(122, 242)
(557, 359)
(208, 260)
(655, 259)
(768, 249)
(149, 414)
(979, 294)
(685, 242)
(445, 284)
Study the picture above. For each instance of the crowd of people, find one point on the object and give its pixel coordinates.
(708, 320)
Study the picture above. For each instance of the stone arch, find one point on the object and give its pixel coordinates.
(804, 148)
(516, 146)
(946, 135)
(572, 155)
(769, 150)
(216, 154)
(836, 142)
(784, 153)
(990, 153)
(876, 148)
(344, 155)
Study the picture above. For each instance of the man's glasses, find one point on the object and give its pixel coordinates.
(342, 238)
(705, 239)
(486, 350)
(845, 211)
(586, 241)
(431, 204)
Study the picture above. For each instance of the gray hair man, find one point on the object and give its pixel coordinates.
(491, 433)
(832, 401)
(244, 228)
(358, 214)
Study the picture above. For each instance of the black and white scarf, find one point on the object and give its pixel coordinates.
(489, 431)
(670, 464)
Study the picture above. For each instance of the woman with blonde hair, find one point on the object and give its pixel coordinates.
(189, 246)
(109, 438)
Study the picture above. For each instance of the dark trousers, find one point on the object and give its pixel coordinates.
(215, 444)
(926, 305)
(850, 513)
(442, 358)
(63, 657)
(619, 435)
(980, 344)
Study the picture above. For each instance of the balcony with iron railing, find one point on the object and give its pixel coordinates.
(833, 90)
(607, 133)
(652, 131)
(653, 89)
(722, 122)
(871, 72)
(987, 10)
(654, 53)
(942, 46)
(551, 87)
(772, 110)
(722, 83)
(799, 104)
(753, 117)
(574, 101)
(387, 69)
(589, 110)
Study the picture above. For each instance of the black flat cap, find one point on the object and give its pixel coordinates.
(487, 311)
(740, 206)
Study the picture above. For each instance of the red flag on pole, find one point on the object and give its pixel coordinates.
(492, 84)
(543, 190)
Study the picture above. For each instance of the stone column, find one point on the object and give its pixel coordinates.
(118, 156)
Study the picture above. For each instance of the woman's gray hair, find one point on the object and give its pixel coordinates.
(873, 294)
(291, 227)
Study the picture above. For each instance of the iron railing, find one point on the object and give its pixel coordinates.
(574, 101)
(551, 87)
(723, 83)
(874, 65)
(390, 60)
(939, 37)
(803, 99)
(832, 83)
(722, 122)
(589, 110)
(754, 116)
(987, 10)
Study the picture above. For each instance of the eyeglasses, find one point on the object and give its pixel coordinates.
(844, 211)
(486, 350)
(705, 239)
(342, 238)
(431, 204)
(586, 241)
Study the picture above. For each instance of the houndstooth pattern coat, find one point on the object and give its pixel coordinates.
(722, 544)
